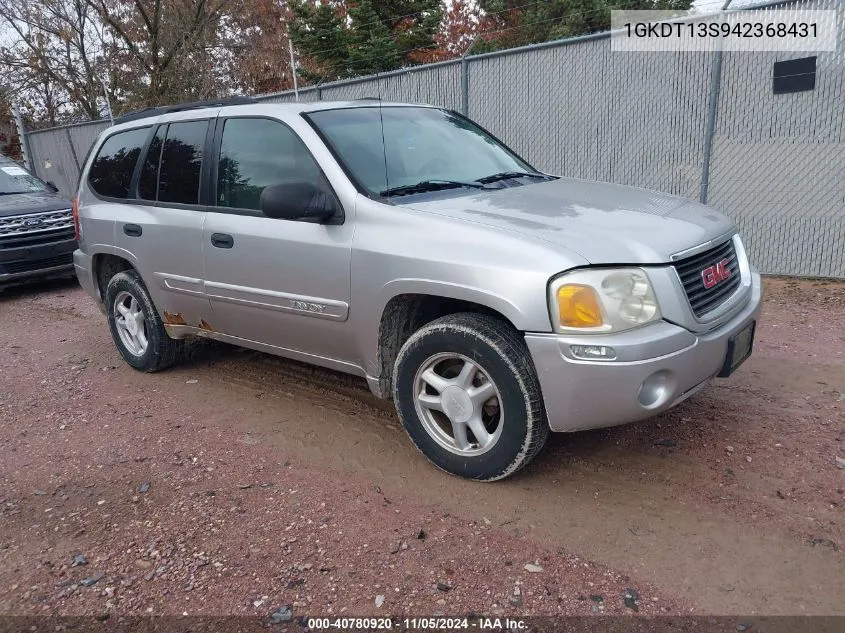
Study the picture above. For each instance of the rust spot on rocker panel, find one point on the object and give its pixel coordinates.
(174, 319)
(205, 325)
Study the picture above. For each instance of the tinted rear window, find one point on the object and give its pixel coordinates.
(181, 162)
(111, 172)
(148, 181)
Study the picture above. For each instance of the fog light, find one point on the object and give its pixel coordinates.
(657, 389)
(593, 352)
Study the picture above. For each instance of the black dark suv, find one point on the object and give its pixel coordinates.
(37, 236)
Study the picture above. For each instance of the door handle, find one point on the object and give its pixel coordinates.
(222, 240)
(132, 230)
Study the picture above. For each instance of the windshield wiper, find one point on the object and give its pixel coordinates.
(504, 175)
(429, 185)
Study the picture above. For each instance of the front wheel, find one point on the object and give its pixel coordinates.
(135, 325)
(467, 394)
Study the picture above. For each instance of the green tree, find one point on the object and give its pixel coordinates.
(346, 39)
(521, 22)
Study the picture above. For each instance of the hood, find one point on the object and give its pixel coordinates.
(32, 202)
(602, 222)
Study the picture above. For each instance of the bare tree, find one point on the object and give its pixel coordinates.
(54, 57)
(166, 51)
(256, 34)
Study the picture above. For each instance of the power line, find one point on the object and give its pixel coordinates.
(396, 19)
(495, 13)
(409, 15)
(350, 64)
(713, 3)
(359, 26)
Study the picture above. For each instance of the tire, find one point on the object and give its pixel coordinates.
(160, 351)
(514, 421)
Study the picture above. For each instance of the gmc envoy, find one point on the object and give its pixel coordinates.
(404, 244)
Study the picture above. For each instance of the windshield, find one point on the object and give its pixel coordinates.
(14, 179)
(421, 145)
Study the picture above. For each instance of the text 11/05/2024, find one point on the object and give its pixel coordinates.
(433, 623)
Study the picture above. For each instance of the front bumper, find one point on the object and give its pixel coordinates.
(664, 361)
(21, 264)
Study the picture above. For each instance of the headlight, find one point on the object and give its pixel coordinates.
(602, 300)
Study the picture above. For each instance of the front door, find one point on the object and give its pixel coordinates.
(277, 282)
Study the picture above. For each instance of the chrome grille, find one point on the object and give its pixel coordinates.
(36, 228)
(702, 299)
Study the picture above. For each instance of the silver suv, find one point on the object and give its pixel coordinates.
(405, 244)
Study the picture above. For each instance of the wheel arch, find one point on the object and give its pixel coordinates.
(106, 264)
(414, 306)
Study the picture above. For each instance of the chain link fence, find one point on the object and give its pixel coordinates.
(694, 124)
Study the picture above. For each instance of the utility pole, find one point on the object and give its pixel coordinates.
(712, 111)
(108, 103)
(293, 69)
(465, 78)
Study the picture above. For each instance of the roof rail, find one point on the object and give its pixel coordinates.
(194, 105)
(369, 99)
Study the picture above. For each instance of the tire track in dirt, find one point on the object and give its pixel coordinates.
(606, 494)
(574, 502)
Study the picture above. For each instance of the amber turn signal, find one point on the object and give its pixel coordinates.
(579, 306)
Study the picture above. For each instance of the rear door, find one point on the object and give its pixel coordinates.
(107, 192)
(163, 225)
(278, 282)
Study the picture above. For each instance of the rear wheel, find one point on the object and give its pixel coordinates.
(135, 325)
(467, 394)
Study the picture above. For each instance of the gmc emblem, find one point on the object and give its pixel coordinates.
(715, 274)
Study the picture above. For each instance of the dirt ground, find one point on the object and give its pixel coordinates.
(238, 483)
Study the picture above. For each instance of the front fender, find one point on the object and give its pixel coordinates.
(481, 296)
(402, 251)
(521, 318)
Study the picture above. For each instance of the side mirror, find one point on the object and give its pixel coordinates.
(297, 200)
(52, 186)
